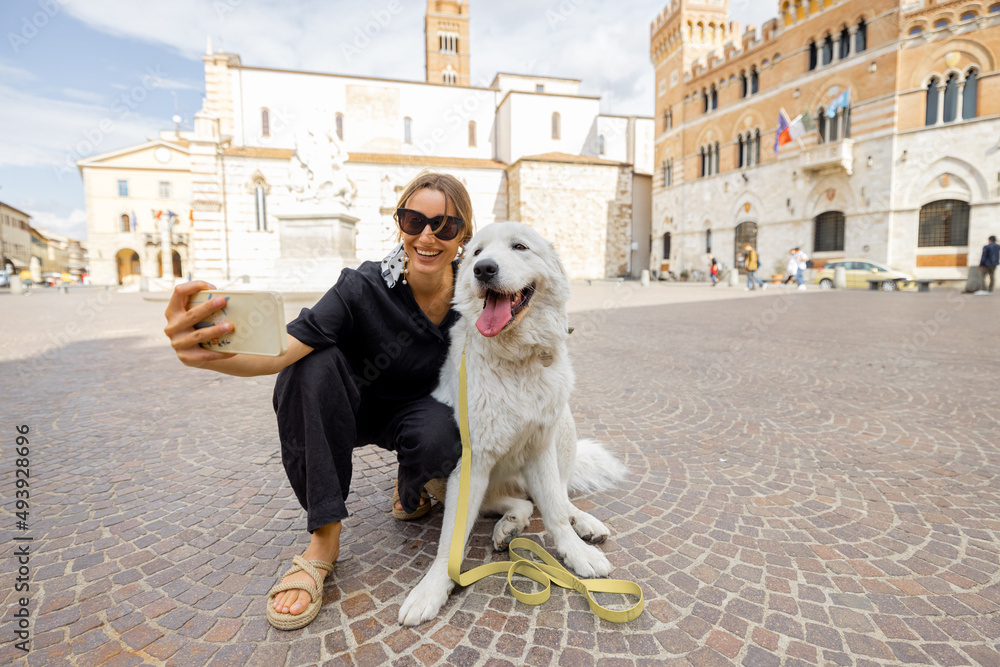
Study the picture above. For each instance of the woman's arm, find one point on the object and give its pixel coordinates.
(185, 339)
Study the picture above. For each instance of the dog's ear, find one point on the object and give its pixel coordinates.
(555, 261)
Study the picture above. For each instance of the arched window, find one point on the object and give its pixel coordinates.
(943, 23)
(556, 129)
(951, 99)
(704, 101)
(968, 16)
(916, 31)
(828, 50)
(716, 161)
(828, 234)
(407, 130)
(704, 162)
(821, 122)
(834, 126)
(708, 240)
(845, 43)
(944, 223)
(265, 123)
(744, 84)
(670, 172)
(126, 223)
(861, 37)
(260, 205)
(970, 94)
(994, 9)
(472, 133)
(666, 246)
(754, 81)
(931, 116)
(600, 145)
(813, 55)
(740, 148)
(714, 98)
(340, 126)
(756, 148)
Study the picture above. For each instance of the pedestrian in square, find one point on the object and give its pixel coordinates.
(714, 272)
(801, 264)
(751, 262)
(326, 400)
(988, 262)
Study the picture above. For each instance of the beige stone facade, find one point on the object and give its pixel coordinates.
(582, 205)
(903, 175)
(446, 31)
(15, 237)
(130, 195)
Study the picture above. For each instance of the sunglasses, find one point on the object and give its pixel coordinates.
(445, 227)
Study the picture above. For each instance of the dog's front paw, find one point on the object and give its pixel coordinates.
(587, 561)
(588, 528)
(507, 528)
(425, 601)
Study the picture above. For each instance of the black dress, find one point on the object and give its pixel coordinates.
(375, 360)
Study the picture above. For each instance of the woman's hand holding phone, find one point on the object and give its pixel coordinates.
(184, 337)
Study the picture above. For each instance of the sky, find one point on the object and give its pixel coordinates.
(84, 77)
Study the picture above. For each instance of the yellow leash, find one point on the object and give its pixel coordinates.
(547, 572)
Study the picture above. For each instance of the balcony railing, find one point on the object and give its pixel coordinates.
(832, 156)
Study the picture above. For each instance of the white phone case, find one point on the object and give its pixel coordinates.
(258, 318)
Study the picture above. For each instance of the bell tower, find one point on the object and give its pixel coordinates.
(446, 31)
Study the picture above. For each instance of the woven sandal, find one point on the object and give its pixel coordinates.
(402, 514)
(283, 621)
(437, 487)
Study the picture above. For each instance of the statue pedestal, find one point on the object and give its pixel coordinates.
(315, 246)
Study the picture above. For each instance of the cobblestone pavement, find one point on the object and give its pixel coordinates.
(815, 480)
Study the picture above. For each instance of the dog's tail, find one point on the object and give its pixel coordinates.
(595, 468)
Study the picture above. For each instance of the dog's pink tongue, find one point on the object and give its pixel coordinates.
(496, 314)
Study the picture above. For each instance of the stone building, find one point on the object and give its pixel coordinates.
(290, 176)
(131, 194)
(15, 238)
(902, 174)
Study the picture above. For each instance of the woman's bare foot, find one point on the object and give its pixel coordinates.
(324, 544)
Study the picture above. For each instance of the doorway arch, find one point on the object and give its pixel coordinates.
(129, 267)
(176, 262)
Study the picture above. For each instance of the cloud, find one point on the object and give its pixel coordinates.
(12, 73)
(83, 95)
(73, 225)
(39, 131)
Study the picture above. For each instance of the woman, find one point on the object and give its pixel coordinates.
(359, 369)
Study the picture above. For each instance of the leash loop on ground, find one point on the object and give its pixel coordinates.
(546, 572)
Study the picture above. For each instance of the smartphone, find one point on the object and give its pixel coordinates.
(258, 319)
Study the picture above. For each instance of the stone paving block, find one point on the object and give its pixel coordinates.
(793, 499)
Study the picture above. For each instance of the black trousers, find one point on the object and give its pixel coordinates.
(323, 415)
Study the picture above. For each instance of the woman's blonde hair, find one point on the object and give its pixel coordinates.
(455, 197)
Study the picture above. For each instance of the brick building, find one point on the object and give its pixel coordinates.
(902, 174)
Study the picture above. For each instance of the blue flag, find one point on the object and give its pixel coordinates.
(842, 100)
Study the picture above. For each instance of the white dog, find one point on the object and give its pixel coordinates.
(511, 291)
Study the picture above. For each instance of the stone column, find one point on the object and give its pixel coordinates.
(836, 47)
(853, 32)
(166, 256)
(940, 108)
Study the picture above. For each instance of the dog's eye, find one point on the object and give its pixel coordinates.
(478, 250)
(520, 246)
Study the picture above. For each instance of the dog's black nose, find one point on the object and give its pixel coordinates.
(485, 270)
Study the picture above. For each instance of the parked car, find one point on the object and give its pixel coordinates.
(858, 273)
